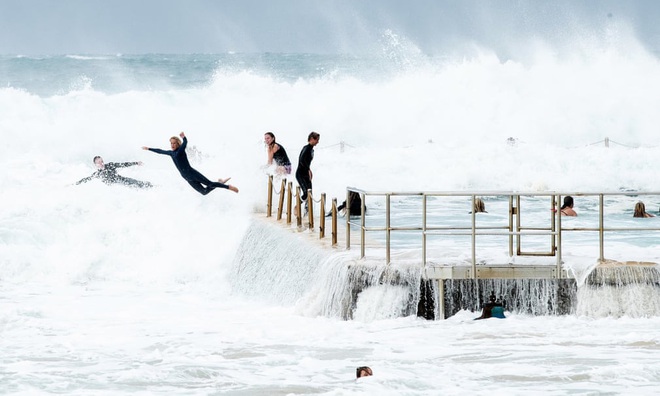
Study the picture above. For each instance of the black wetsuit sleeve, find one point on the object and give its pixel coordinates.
(159, 151)
(184, 144)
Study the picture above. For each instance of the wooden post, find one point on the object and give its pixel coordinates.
(322, 217)
(269, 206)
(289, 198)
(310, 209)
(334, 221)
(281, 206)
(298, 208)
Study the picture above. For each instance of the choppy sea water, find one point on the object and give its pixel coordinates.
(107, 290)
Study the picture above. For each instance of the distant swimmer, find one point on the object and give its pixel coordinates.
(277, 154)
(198, 181)
(363, 371)
(479, 206)
(567, 207)
(640, 210)
(492, 309)
(108, 174)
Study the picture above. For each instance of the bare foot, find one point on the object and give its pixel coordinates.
(224, 181)
(233, 188)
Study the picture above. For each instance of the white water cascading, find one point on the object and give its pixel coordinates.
(620, 289)
(281, 267)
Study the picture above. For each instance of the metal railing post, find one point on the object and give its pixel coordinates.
(281, 204)
(348, 225)
(511, 209)
(474, 238)
(518, 237)
(289, 199)
(322, 217)
(559, 236)
(362, 231)
(269, 205)
(601, 227)
(553, 224)
(424, 230)
(557, 215)
(387, 229)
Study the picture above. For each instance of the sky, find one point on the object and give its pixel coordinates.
(311, 26)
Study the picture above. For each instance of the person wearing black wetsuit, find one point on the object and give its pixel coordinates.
(304, 172)
(108, 174)
(198, 181)
(277, 154)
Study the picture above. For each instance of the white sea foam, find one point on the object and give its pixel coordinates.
(108, 290)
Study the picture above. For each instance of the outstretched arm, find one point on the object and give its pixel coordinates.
(185, 141)
(158, 151)
(86, 179)
(126, 164)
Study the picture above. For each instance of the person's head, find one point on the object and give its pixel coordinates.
(98, 161)
(640, 209)
(492, 296)
(269, 138)
(568, 202)
(313, 138)
(363, 371)
(479, 206)
(175, 142)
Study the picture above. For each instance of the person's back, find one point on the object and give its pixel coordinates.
(640, 210)
(567, 207)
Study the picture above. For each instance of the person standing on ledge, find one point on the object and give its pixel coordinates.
(304, 171)
(198, 181)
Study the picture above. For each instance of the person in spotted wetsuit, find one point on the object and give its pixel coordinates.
(108, 174)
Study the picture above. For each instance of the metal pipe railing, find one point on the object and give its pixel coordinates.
(514, 231)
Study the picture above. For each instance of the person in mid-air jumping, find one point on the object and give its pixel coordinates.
(108, 174)
(198, 181)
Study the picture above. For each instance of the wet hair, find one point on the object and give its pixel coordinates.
(176, 138)
(479, 206)
(313, 135)
(272, 135)
(366, 369)
(95, 158)
(640, 209)
(568, 202)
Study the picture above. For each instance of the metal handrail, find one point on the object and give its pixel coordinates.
(515, 229)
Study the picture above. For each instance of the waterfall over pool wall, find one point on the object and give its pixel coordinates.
(284, 266)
